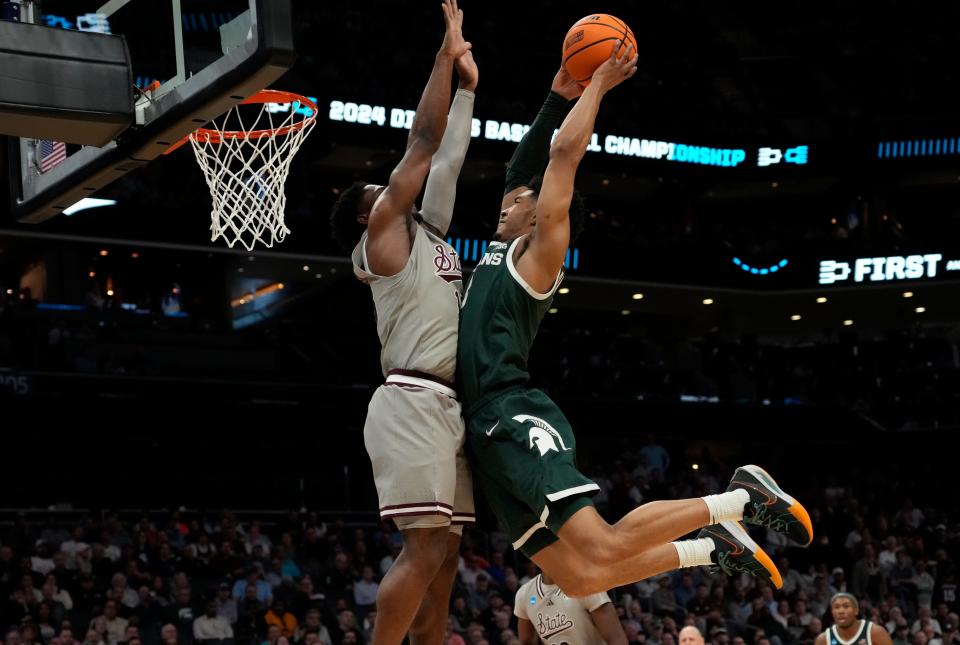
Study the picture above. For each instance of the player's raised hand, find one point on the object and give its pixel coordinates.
(621, 65)
(453, 44)
(467, 71)
(564, 85)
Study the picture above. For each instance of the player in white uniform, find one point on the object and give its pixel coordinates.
(547, 615)
(414, 431)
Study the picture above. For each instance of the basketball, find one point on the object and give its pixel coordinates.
(589, 42)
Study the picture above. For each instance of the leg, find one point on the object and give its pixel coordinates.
(404, 587)
(431, 621)
(412, 437)
(642, 529)
(578, 576)
(726, 544)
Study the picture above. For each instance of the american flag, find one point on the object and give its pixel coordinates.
(50, 153)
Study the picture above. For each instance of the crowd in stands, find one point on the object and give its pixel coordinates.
(186, 578)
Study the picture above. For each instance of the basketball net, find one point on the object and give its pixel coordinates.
(245, 158)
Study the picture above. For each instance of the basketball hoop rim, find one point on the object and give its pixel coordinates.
(207, 135)
(263, 96)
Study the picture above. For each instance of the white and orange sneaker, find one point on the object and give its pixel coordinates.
(770, 507)
(735, 552)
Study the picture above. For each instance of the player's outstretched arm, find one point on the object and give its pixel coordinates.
(388, 237)
(533, 151)
(441, 191)
(541, 263)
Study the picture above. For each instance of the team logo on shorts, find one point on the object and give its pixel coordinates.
(542, 435)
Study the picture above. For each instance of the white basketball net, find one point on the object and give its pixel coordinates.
(246, 174)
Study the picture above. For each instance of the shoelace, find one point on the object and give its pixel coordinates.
(774, 521)
(730, 565)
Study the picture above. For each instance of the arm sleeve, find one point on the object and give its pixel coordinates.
(533, 152)
(441, 191)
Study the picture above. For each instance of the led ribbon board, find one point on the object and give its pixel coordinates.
(611, 144)
(886, 269)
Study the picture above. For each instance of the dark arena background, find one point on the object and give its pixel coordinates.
(768, 274)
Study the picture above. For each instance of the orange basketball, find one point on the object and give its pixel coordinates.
(589, 42)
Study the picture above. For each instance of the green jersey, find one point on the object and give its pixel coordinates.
(499, 319)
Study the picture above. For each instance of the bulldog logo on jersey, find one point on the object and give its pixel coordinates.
(542, 435)
(447, 264)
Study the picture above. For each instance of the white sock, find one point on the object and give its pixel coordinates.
(727, 506)
(695, 553)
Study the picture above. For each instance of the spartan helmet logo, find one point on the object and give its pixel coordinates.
(542, 435)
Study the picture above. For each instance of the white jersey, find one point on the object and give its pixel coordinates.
(558, 619)
(418, 309)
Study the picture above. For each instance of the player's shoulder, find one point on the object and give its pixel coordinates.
(527, 590)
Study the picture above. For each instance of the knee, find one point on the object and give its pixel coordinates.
(427, 548)
(601, 551)
(576, 584)
(451, 559)
(421, 631)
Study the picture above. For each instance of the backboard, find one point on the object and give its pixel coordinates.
(191, 61)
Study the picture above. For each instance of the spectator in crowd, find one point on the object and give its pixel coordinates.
(169, 635)
(211, 626)
(664, 600)
(365, 591)
(283, 619)
(262, 589)
(313, 624)
(226, 604)
(114, 625)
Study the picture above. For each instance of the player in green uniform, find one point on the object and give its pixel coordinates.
(522, 448)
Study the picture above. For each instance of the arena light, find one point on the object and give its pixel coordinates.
(87, 203)
(906, 148)
(920, 310)
(907, 294)
(249, 297)
(773, 268)
(795, 317)
(708, 301)
(474, 250)
(638, 296)
(624, 312)
(847, 323)
(821, 300)
(553, 310)
(564, 291)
